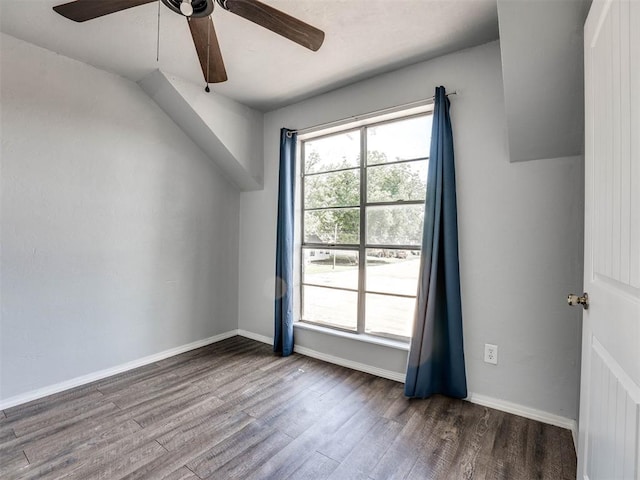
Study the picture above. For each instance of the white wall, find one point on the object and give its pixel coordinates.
(520, 236)
(119, 236)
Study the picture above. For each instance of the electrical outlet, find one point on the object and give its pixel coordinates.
(491, 353)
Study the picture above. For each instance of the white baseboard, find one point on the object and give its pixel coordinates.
(92, 377)
(255, 336)
(380, 372)
(527, 412)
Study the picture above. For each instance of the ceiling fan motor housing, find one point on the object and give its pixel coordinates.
(201, 8)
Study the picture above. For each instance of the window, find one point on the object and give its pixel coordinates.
(363, 192)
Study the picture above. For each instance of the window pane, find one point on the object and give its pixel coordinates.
(332, 153)
(395, 225)
(339, 189)
(402, 140)
(330, 307)
(389, 315)
(392, 271)
(336, 225)
(334, 268)
(400, 181)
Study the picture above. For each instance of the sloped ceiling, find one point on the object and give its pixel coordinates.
(228, 132)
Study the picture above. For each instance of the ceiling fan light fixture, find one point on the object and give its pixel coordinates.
(191, 8)
(186, 8)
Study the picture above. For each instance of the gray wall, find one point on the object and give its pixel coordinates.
(542, 73)
(119, 236)
(520, 236)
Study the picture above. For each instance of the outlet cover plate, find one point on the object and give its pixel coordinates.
(491, 353)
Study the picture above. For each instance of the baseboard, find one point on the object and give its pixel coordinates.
(92, 377)
(380, 372)
(526, 412)
(255, 336)
(308, 352)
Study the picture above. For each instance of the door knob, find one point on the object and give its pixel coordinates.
(577, 300)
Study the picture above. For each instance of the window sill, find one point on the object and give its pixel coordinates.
(385, 342)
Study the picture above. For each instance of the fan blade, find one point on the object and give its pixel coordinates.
(278, 22)
(206, 41)
(83, 10)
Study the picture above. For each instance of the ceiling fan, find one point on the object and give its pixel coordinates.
(198, 17)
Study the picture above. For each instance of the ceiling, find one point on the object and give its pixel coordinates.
(362, 38)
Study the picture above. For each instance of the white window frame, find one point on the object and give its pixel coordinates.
(361, 124)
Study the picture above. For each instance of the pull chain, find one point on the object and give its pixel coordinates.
(158, 39)
(207, 89)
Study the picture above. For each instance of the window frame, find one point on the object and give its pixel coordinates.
(363, 245)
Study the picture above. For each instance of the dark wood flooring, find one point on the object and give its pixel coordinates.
(234, 410)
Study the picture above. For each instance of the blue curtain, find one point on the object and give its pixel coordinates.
(436, 356)
(283, 336)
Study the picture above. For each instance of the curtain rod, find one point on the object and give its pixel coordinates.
(417, 103)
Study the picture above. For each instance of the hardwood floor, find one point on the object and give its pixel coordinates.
(234, 410)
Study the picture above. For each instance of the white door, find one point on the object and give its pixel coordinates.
(608, 438)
